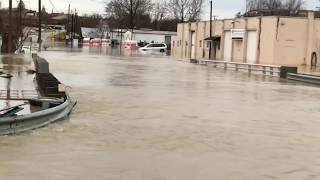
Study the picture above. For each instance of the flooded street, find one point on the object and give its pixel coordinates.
(20, 85)
(149, 117)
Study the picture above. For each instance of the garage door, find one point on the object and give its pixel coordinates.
(252, 47)
(227, 46)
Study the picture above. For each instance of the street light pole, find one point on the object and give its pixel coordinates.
(210, 41)
(39, 35)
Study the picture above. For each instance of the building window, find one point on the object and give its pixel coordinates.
(173, 43)
(186, 43)
(208, 44)
(200, 44)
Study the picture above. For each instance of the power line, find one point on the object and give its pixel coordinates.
(54, 7)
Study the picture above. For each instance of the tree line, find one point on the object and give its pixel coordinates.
(158, 15)
(290, 6)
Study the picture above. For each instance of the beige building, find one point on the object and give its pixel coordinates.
(260, 40)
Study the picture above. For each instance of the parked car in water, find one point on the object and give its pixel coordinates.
(86, 41)
(131, 45)
(142, 43)
(156, 47)
(96, 42)
(107, 42)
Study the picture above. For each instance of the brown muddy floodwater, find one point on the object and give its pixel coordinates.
(154, 118)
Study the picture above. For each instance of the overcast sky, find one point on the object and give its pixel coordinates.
(222, 8)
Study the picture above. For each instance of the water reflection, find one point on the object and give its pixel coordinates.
(8, 61)
(14, 80)
(107, 50)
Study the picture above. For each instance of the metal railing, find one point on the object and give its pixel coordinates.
(48, 86)
(264, 69)
(307, 78)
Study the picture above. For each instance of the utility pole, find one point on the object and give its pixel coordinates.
(75, 22)
(210, 42)
(39, 35)
(20, 18)
(10, 41)
(72, 28)
(68, 25)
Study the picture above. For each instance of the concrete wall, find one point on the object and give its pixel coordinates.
(280, 40)
(174, 46)
(267, 36)
(291, 41)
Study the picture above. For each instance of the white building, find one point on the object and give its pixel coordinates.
(143, 35)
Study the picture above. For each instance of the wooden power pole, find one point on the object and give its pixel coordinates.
(10, 39)
(68, 26)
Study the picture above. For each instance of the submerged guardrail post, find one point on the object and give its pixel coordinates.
(194, 61)
(284, 70)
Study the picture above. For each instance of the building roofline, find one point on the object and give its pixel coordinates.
(256, 17)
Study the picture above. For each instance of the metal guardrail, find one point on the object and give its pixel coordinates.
(48, 87)
(307, 78)
(271, 70)
(22, 123)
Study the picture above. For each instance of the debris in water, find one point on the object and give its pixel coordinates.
(31, 71)
(8, 76)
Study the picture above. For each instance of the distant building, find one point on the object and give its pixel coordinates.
(89, 32)
(143, 35)
(92, 33)
(259, 40)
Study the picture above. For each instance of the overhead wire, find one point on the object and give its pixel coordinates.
(53, 6)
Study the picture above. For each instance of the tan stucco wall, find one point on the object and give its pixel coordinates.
(316, 40)
(291, 41)
(267, 40)
(174, 49)
(281, 40)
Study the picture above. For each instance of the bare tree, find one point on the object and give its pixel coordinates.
(263, 4)
(159, 12)
(195, 9)
(26, 32)
(127, 11)
(186, 10)
(292, 6)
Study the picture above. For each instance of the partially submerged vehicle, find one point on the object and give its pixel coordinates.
(131, 45)
(155, 47)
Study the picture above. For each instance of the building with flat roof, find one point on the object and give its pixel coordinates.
(143, 35)
(276, 40)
